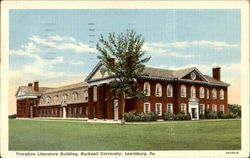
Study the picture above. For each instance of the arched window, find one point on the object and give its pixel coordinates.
(207, 93)
(192, 92)
(48, 100)
(221, 94)
(158, 90)
(146, 89)
(65, 96)
(202, 92)
(214, 94)
(75, 96)
(56, 98)
(169, 90)
(41, 100)
(183, 91)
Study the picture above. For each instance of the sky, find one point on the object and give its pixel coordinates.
(57, 47)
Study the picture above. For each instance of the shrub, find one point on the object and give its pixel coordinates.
(202, 116)
(12, 116)
(132, 116)
(211, 115)
(168, 116)
(182, 116)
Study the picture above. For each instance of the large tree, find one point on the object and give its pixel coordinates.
(127, 51)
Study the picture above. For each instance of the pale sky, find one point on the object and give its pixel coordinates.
(56, 47)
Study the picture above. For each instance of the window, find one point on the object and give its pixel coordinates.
(183, 108)
(221, 94)
(85, 95)
(214, 108)
(183, 91)
(75, 96)
(222, 108)
(74, 112)
(207, 93)
(80, 111)
(192, 92)
(158, 90)
(95, 93)
(146, 107)
(158, 109)
(202, 92)
(147, 89)
(48, 100)
(202, 109)
(56, 98)
(169, 108)
(169, 90)
(65, 96)
(41, 101)
(207, 106)
(86, 111)
(69, 112)
(214, 95)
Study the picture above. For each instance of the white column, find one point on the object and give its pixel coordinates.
(64, 112)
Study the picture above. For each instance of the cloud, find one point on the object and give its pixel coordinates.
(63, 43)
(185, 44)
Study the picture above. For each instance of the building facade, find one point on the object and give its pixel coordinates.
(186, 91)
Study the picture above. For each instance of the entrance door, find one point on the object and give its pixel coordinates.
(116, 110)
(194, 113)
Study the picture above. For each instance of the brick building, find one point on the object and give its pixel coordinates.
(186, 90)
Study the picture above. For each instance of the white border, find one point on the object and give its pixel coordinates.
(243, 5)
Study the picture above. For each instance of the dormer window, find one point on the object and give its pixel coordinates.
(158, 90)
(65, 96)
(48, 100)
(75, 96)
(56, 98)
(146, 89)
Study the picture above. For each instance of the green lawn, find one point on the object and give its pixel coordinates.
(81, 135)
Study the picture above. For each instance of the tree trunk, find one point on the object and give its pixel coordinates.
(123, 108)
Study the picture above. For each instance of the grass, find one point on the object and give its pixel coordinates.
(59, 135)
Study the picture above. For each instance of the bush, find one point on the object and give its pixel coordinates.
(202, 116)
(211, 115)
(133, 117)
(12, 116)
(182, 116)
(168, 116)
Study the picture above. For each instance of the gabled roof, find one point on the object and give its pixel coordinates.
(30, 90)
(165, 74)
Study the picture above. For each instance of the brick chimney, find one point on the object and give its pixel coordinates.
(36, 86)
(216, 73)
(112, 61)
(30, 84)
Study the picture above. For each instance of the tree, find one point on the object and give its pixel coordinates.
(127, 51)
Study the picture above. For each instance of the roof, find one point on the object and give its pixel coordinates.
(164, 74)
(67, 87)
(30, 90)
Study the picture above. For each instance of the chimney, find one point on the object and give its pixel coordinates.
(29, 84)
(112, 61)
(216, 73)
(36, 86)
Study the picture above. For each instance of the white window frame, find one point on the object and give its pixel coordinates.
(95, 93)
(144, 107)
(158, 85)
(214, 107)
(214, 94)
(185, 108)
(222, 94)
(193, 92)
(202, 110)
(183, 91)
(207, 93)
(208, 106)
(146, 91)
(171, 109)
(160, 108)
(202, 92)
(170, 89)
(222, 109)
